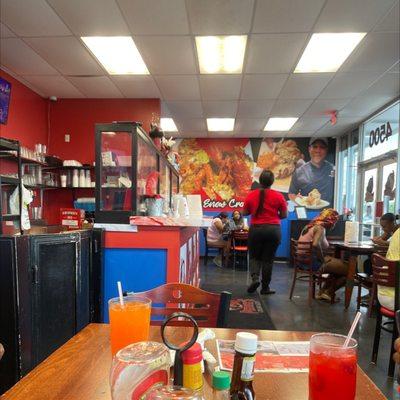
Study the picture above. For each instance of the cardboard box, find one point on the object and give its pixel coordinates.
(72, 218)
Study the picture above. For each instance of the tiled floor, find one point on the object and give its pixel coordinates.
(297, 315)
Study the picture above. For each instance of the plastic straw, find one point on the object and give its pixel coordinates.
(352, 329)
(121, 297)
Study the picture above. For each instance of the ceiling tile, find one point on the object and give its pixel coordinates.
(277, 16)
(222, 17)
(386, 85)
(54, 86)
(250, 124)
(246, 134)
(391, 21)
(290, 108)
(155, 17)
(305, 86)
(178, 87)
(348, 84)
(273, 134)
(377, 52)
(185, 109)
(165, 110)
(323, 106)
(351, 16)
(220, 135)
(91, 18)
(96, 87)
(66, 54)
(274, 53)
(21, 59)
(300, 134)
(191, 125)
(5, 32)
(262, 86)
(344, 125)
(167, 54)
(254, 108)
(309, 124)
(32, 18)
(220, 87)
(220, 109)
(199, 134)
(395, 69)
(137, 86)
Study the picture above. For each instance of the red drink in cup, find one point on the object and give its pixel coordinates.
(333, 368)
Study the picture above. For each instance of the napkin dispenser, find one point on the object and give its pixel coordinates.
(351, 232)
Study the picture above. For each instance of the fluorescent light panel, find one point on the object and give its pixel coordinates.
(221, 54)
(168, 125)
(118, 54)
(326, 52)
(220, 124)
(280, 124)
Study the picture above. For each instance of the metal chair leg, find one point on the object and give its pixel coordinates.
(359, 296)
(377, 337)
(293, 283)
(391, 361)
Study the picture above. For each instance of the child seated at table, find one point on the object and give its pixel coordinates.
(315, 232)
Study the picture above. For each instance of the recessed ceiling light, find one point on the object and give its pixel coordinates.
(168, 125)
(118, 54)
(221, 54)
(326, 52)
(220, 124)
(280, 124)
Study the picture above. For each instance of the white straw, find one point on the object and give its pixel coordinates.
(352, 329)
(121, 297)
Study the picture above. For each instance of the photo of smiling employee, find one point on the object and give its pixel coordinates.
(318, 173)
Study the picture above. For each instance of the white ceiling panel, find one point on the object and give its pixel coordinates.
(293, 134)
(222, 17)
(66, 54)
(395, 69)
(185, 109)
(387, 85)
(221, 109)
(54, 86)
(322, 106)
(274, 53)
(277, 16)
(348, 84)
(262, 86)
(191, 125)
(96, 87)
(137, 87)
(91, 18)
(265, 135)
(155, 17)
(351, 15)
(22, 60)
(220, 87)
(305, 86)
(376, 53)
(309, 124)
(31, 18)
(290, 108)
(194, 134)
(220, 135)
(5, 32)
(343, 125)
(179, 87)
(250, 124)
(391, 21)
(167, 54)
(247, 134)
(254, 108)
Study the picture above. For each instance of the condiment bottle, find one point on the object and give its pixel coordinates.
(221, 382)
(243, 367)
(191, 360)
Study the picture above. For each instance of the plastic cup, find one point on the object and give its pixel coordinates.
(129, 323)
(333, 368)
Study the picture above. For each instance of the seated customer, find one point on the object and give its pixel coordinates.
(315, 232)
(386, 294)
(389, 227)
(237, 222)
(216, 235)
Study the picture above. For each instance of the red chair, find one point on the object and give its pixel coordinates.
(240, 246)
(208, 309)
(385, 273)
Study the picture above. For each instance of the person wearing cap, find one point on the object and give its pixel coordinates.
(318, 173)
(216, 236)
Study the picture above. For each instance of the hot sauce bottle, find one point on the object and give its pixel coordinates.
(243, 367)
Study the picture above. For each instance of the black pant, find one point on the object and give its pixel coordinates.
(264, 239)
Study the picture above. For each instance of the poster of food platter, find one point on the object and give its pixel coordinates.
(223, 171)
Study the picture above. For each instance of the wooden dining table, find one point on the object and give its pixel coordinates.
(80, 369)
(354, 250)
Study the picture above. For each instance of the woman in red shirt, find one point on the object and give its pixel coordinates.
(267, 207)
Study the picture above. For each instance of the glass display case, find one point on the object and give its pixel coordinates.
(127, 166)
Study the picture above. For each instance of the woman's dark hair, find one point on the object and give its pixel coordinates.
(389, 217)
(222, 214)
(241, 216)
(266, 180)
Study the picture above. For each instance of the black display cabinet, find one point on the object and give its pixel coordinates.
(125, 159)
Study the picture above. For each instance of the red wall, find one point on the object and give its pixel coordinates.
(27, 117)
(77, 117)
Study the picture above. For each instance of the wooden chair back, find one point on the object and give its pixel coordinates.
(239, 239)
(209, 309)
(384, 271)
(302, 253)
